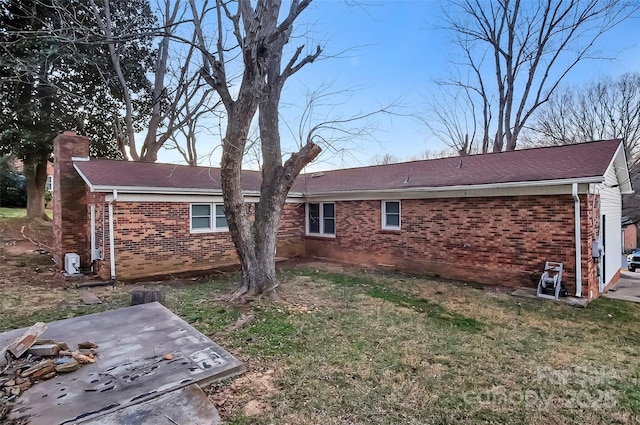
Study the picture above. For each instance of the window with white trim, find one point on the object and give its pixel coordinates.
(49, 184)
(321, 219)
(208, 218)
(391, 215)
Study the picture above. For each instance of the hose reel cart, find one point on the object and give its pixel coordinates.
(550, 285)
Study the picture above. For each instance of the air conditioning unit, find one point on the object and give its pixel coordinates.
(72, 263)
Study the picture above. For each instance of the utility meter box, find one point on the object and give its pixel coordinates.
(72, 263)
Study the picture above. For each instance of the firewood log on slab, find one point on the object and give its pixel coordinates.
(41, 369)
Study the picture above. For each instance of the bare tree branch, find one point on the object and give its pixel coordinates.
(533, 46)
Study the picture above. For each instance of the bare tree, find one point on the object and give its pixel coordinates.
(455, 122)
(177, 98)
(259, 40)
(385, 159)
(517, 52)
(198, 113)
(428, 154)
(606, 109)
(248, 70)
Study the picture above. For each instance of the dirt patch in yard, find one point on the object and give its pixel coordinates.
(26, 261)
(249, 393)
(29, 279)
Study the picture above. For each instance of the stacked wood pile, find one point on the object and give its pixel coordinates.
(28, 360)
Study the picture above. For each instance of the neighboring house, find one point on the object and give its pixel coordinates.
(629, 234)
(18, 166)
(493, 218)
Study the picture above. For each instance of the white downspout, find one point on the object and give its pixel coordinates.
(93, 232)
(112, 250)
(576, 210)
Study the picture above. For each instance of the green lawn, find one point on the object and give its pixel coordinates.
(366, 348)
(12, 212)
(18, 212)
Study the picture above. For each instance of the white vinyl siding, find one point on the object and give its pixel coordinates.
(208, 218)
(611, 209)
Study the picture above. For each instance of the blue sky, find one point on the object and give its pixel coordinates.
(392, 52)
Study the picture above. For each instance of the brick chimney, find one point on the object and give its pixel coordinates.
(70, 214)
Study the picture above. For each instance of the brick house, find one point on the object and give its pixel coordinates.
(491, 218)
(629, 234)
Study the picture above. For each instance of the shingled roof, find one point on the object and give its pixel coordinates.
(109, 174)
(568, 162)
(585, 161)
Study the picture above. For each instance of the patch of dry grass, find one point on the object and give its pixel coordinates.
(347, 346)
(399, 357)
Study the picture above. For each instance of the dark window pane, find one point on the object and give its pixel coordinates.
(221, 222)
(314, 218)
(393, 220)
(219, 210)
(200, 210)
(328, 210)
(200, 223)
(329, 226)
(393, 207)
(314, 210)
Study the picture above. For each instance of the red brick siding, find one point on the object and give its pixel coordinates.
(501, 240)
(70, 218)
(291, 231)
(154, 238)
(630, 237)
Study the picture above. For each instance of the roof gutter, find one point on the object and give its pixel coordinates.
(576, 210)
(421, 191)
(112, 250)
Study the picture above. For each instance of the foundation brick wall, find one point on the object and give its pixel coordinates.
(154, 238)
(492, 240)
(70, 217)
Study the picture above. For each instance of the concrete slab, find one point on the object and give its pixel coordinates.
(130, 369)
(627, 288)
(185, 406)
(531, 293)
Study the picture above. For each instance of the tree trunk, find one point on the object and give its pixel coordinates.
(261, 85)
(259, 273)
(36, 178)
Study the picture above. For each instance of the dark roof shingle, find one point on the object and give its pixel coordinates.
(583, 160)
(114, 173)
(549, 163)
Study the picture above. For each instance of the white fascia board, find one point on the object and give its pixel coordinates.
(621, 168)
(547, 187)
(172, 190)
(185, 197)
(80, 158)
(86, 180)
(159, 190)
(173, 197)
